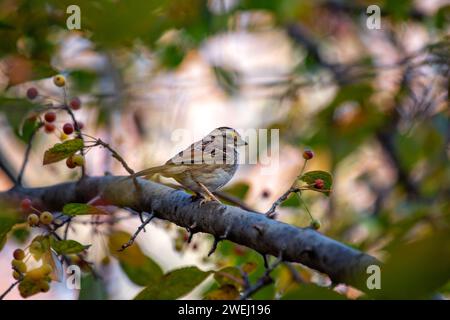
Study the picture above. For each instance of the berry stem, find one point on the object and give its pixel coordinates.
(27, 155)
(303, 169)
(304, 205)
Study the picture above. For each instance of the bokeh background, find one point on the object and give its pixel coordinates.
(371, 103)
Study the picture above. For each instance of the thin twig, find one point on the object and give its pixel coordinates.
(9, 289)
(27, 155)
(115, 154)
(295, 274)
(218, 239)
(139, 229)
(263, 281)
(66, 230)
(271, 213)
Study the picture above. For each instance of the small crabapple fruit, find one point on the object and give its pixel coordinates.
(59, 80)
(70, 164)
(75, 103)
(318, 184)
(308, 154)
(49, 127)
(46, 269)
(25, 204)
(33, 220)
(46, 217)
(43, 285)
(32, 93)
(16, 275)
(68, 128)
(19, 265)
(50, 116)
(19, 254)
(315, 224)
(78, 160)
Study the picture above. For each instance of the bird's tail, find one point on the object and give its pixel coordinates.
(147, 173)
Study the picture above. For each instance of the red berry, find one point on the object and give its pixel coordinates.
(75, 103)
(318, 184)
(25, 204)
(49, 127)
(265, 194)
(19, 254)
(50, 116)
(32, 93)
(70, 164)
(68, 128)
(308, 154)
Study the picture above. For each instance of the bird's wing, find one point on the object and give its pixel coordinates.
(194, 154)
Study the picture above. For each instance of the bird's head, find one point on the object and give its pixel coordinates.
(229, 135)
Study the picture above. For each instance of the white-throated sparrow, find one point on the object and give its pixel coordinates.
(206, 165)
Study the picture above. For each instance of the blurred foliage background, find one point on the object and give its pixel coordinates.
(372, 104)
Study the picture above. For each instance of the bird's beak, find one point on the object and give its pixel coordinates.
(242, 142)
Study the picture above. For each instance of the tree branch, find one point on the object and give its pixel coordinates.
(304, 245)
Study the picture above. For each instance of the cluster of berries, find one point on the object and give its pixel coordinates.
(35, 217)
(50, 116)
(39, 277)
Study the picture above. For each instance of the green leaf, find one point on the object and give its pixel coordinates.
(312, 292)
(61, 151)
(311, 176)
(292, 201)
(15, 109)
(143, 275)
(92, 288)
(79, 209)
(225, 292)
(8, 218)
(229, 275)
(30, 125)
(67, 246)
(21, 234)
(139, 268)
(174, 284)
(171, 56)
(416, 270)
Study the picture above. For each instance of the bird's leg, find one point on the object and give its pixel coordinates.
(209, 193)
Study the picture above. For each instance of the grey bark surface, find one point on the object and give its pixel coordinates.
(340, 262)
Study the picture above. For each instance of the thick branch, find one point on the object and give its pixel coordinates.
(304, 245)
